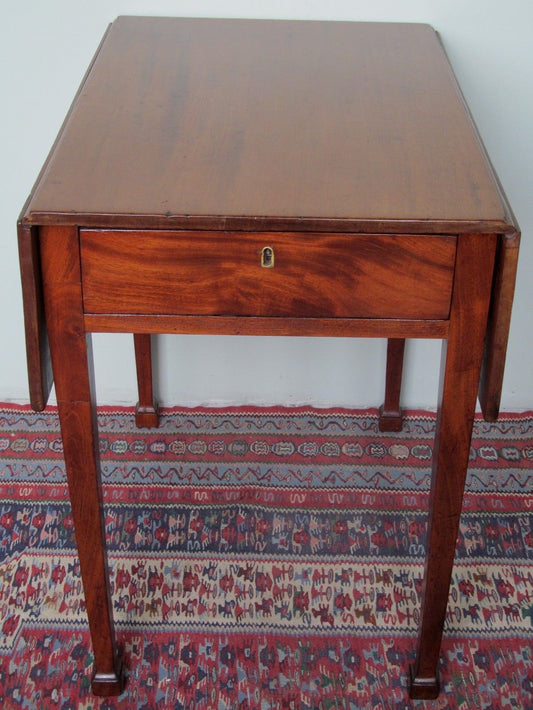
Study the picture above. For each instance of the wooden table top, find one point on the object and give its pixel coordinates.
(259, 124)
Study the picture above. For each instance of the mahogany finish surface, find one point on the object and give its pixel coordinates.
(73, 371)
(314, 275)
(461, 364)
(268, 178)
(188, 122)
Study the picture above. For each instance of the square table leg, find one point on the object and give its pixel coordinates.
(390, 412)
(146, 411)
(72, 367)
(460, 371)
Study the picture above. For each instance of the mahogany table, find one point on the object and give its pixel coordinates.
(268, 177)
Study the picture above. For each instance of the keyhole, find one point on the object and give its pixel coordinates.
(267, 257)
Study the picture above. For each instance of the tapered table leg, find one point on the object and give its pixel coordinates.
(72, 367)
(461, 365)
(146, 411)
(390, 413)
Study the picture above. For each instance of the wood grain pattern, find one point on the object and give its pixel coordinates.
(38, 360)
(72, 364)
(270, 125)
(460, 369)
(490, 387)
(258, 325)
(190, 123)
(220, 273)
(348, 149)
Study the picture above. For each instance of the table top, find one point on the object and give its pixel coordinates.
(260, 124)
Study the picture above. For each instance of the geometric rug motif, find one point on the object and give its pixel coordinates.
(265, 558)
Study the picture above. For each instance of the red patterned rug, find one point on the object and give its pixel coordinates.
(265, 559)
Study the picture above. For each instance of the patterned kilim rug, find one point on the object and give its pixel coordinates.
(265, 558)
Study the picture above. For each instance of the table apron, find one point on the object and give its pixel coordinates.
(256, 325)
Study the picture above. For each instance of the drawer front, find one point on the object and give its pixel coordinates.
(267, 274)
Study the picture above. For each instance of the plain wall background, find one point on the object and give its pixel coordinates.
(46, 47)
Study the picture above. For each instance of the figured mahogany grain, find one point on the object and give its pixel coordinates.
(268, 125)
(314, 275)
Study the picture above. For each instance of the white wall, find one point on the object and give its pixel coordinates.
(46, 47)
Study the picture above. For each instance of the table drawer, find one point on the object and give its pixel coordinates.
(267, 274)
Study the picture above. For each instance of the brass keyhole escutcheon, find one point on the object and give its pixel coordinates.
(267, 257)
